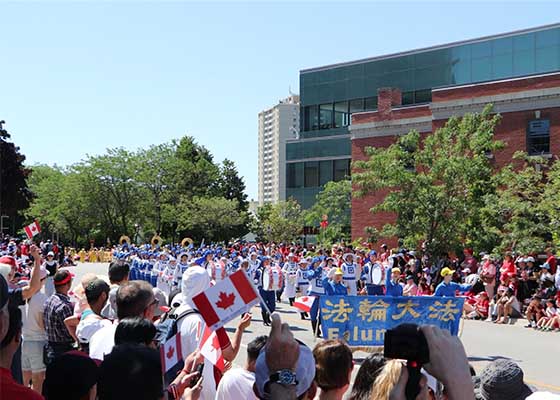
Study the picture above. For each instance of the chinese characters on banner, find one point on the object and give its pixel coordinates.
(363, 320)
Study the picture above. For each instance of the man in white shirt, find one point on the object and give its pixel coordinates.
(34, 337)
(238, 383)
(134, 299)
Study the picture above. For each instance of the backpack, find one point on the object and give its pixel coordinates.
(166, 329)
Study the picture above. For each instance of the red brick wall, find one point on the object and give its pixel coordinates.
(512, 130)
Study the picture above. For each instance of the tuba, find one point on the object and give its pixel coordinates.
(124, 239)
(185, 241)
(156, 240)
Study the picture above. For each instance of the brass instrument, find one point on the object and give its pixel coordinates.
(156, 240)
(124, 239)
(185, 241)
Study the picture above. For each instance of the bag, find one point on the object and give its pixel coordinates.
(166, 329)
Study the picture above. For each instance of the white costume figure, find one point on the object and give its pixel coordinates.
(254, 263)
(183, 264)
(350, 271)
(302, 283)
(290, 277)
(168, 278)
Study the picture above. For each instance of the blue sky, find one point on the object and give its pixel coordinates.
(78, 77)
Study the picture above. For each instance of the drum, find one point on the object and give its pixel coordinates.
(272, 280)
(376, 274)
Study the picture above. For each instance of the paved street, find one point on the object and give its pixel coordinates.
(536, 352)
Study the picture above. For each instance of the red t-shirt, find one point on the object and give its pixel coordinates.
(10, 389)
(509, 267)
(552, 262)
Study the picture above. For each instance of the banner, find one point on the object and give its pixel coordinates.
(363, 320)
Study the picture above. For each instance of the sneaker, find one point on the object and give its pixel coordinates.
(528, 326)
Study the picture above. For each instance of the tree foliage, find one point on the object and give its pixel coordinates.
(281, 222)
(434, 186)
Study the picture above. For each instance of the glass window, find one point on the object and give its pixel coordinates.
(294, 175)
(502, 65)
(407, 98)
(311, 174)
(482, 49)
(310, 117)
(538, 137)
(341, 114)
(481, 69)
(356, 105)
(547, 59)
(548, 38)
(326, 116)
(524, 62)
(502, 46)
(325, 172)
(341, 169)
(423, 96)
(524, 42)
(370, 103)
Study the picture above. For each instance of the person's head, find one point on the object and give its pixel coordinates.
(338, 274)
(136, 299)
(184, 259)
(8, 267)
(550, 302)
(244, 264)
(62, 281)
(395, 274)
(194, 281)
(369, 370)
(135, 330)
(253, 350)
(548, 251)
(97, 293)
(71, 376)
(12, 338)
(130, 372)
(118, 272)
(447, 274)
(386, 380)
(4, 313)
(508, 256)
(50, 256)
(333, 364)
(502, 379)
(349, 258)
(409, 280)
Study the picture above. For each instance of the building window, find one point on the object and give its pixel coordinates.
(326, 116)
(423, 96)
(538, 137)
(341, 114)
(356, 105)
(341, 170)
(311, 174)
(311, 118)
(325, 172)
(407, 98)
(370, 103)
(294, 175)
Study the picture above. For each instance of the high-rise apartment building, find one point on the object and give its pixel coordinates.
(276, 125)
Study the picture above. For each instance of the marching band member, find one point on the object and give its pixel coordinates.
(265, 276)
(350, 271)
(369, 275)
(168, 277)
(333, 284)
(290, 269)
(218, 270)
(181, 267)
(254, 262)
(302, 283)
(316, 276)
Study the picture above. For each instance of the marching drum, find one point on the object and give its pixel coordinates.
(376, 274)
(272, 280)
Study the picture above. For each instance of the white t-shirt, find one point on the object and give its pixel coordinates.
(89, 326)
(236, 384)
(192, 327)
(102, 342)
(32, 314)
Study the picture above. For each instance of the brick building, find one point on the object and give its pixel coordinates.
(529, 106)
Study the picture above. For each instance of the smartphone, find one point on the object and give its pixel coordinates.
(199, 368)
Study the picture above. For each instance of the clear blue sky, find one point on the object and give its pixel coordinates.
(78, 77)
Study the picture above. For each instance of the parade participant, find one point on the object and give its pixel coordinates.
(302, 283)
(372, 274)
(217, 270)
(447, 288)
(392, 285)
(488, 275)
(316, 275)
(290, 269)
(168, 282)
(333, 284)
(157, 271)
(254, 263)
(51, 266)
(350, 270)
(268, 277)
(183, 265)
(206, 260)
(410, 289)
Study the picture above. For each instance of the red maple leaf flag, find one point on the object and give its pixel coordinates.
(304, 303)
(170, 353)
(224, 301)
(32, 229)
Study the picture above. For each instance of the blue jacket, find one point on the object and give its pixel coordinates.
(392, 289)
(334, 289)
(448, 289)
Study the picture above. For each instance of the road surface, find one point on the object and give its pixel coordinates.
(536, 352)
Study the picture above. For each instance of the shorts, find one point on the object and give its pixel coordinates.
(515, 313)
(32, 356)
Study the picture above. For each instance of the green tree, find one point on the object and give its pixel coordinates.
(550, 204)
(231, 186)
(14, 192)
(434, 186)
(280, 222)
(211, 218)
(198, 174)
(333, 201)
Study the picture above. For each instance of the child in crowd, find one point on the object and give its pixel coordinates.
(534, 312)
(549, 314)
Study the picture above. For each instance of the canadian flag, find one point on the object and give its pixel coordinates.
(226, 300)
(210, 348)
(304, 303)
(171, 353)
(32, 229)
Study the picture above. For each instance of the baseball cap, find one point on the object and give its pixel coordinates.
(396, 270)
(447, 271)
(409, 277)
(62, 277)
(338, 271)
(50, 253)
